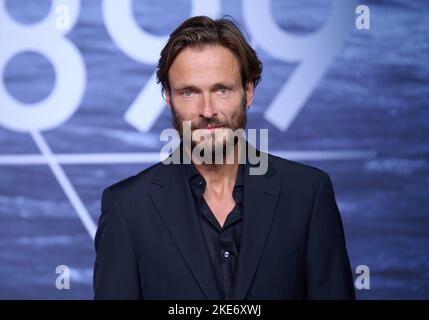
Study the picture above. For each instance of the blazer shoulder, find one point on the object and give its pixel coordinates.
(297, 170)
(137, 182)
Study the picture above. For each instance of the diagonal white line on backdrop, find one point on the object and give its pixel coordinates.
(65, 183)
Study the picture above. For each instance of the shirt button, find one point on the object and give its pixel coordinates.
(226, 254)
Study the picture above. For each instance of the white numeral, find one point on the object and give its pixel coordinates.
(314, 51)
(45, 38)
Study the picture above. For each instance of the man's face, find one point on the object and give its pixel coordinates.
(206, 89)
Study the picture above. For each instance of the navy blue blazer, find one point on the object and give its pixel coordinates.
(149, 243)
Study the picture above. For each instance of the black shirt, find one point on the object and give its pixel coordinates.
(223, 243)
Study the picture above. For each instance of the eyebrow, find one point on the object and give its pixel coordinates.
(182, 87)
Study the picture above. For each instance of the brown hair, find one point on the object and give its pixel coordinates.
(202, 30)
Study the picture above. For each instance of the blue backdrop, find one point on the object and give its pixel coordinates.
(79, 110)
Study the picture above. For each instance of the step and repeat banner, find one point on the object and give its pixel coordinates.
(345, 88)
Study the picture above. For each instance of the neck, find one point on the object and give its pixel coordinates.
(221, 176)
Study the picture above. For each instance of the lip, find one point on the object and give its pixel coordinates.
(214, 127)
(211, 128)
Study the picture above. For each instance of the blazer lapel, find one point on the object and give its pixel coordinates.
(174, 203)
(261, 194)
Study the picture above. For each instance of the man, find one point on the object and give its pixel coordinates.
(206, 230)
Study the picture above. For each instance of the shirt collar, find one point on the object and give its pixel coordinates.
(191, 173)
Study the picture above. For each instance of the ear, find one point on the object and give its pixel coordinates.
(167, 94)
(250, 90)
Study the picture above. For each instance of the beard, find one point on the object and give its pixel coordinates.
(237, 121)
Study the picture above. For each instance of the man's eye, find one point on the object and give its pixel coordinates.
(223, 91)
(187, 93)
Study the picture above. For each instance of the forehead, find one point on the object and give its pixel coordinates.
(202, 65)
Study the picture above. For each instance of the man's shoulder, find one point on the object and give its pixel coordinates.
(139, 181)
(296, 171)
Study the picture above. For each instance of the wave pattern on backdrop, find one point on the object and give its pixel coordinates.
(80, 109)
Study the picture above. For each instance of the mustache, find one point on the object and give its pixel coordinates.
(203, 123)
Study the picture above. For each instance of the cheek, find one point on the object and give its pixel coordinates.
(230, 108)
(184, 112)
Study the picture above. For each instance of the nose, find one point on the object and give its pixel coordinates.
(207, 107)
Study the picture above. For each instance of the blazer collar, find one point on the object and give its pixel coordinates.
(261, 195)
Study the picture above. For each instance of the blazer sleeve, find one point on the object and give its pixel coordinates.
(115, 269)
(328, 265)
